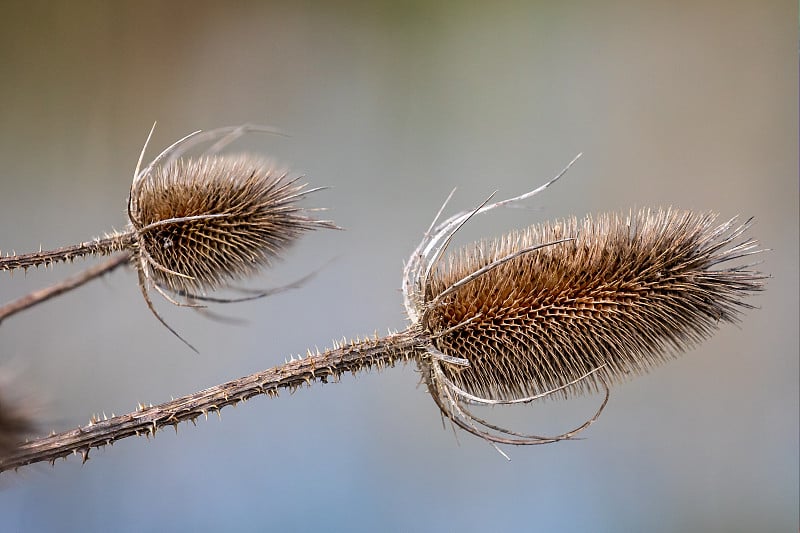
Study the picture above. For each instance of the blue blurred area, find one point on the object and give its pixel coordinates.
(392, 105)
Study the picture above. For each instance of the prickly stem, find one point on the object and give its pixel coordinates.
(351, 357)
(104, 246)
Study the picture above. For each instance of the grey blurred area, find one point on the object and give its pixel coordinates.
(391, 106)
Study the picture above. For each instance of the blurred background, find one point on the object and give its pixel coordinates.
(391, 105)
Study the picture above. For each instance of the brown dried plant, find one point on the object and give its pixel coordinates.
(194, 225)
(559, 309)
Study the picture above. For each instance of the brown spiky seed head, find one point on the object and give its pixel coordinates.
(629, 292)
(207, 221)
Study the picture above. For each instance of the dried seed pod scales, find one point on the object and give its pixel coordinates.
(628, 293)
(204, 222)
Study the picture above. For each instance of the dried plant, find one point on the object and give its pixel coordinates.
(559, 309)
(607, 298)
(194, 225)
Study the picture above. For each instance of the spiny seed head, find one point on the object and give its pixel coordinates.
(203, 222)
(198, 224)
(627, 293)
(567, 307)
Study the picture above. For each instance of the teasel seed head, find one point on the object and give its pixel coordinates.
(204, 222)
(199, 224)
(627, 293)
(570, 307)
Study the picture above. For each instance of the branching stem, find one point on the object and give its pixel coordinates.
(41, 295)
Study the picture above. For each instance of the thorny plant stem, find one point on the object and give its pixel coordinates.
(352, 357)
(41, 295)
(104, 246)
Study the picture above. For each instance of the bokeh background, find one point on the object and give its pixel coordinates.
(392, 104)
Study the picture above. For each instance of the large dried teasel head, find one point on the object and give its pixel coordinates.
(200, 223)
(569, 307)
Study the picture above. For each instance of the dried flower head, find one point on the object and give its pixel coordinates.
(569, 307)
(201, 223)
(198, 224)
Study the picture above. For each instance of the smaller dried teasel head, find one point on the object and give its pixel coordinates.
(569, 307)
(200, 223)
